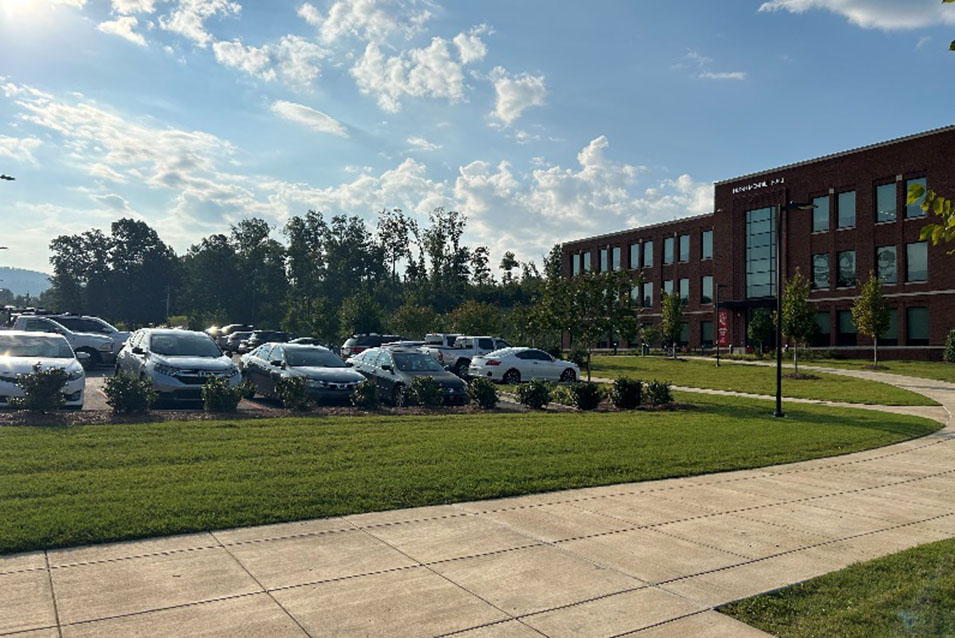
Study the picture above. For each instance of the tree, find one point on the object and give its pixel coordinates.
(799, 316)
(475, 318)
(508, 264)
(760, 329)
(360, 314)
(671, 320)
(392, 235)
(413, 321)
(930, 201)
(870, 313)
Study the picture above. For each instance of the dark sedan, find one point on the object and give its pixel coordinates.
(258, 337)
(392, 369)
(327, 378)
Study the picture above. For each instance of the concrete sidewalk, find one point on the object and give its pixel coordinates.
(649, 559)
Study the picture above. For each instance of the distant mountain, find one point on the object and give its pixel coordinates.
(21, 282)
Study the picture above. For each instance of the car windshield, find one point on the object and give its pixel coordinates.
(35, 347)
(416, 362)
(304, 357)
(239, 336)
(184, 345)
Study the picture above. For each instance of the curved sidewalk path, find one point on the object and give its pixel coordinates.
(645, 559)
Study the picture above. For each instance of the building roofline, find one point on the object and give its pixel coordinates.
(935, 131)
(636, 228)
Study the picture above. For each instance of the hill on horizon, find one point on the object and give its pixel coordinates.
(21, 281)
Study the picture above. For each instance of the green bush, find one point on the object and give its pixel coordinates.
(578, 356)
(586, 395)
(535, 394)
(561, 394)
(365, 396)
(949, 354)
(248, 389)
(219, 396)
(626, 393)
(128, 394)
(293, 392)
(658, 392)
(42, 389)
(483, 392)
(426, 391)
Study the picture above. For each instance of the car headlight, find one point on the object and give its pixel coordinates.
(165, 369)
(106, 347)
(315, 383)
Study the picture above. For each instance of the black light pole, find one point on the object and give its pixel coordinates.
(780, 210)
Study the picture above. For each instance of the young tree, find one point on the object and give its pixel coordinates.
(360, 313)
(760, 329)
(799, 316)
(413, 321)
(870, 313)
(476, 318)
(671, 319)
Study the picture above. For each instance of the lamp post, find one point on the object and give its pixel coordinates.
(780, 210)
(717, 339)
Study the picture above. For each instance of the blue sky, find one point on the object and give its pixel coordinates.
(542, 121)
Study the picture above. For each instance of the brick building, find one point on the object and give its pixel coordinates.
(861, 223)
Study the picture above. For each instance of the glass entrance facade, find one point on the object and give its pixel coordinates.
(760, 253)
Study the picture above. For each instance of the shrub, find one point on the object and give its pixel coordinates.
(949, 354)
(365, 396)
(626, 393)
(219, 396)
(535, 394)
(578, 356)
(658, 392)
(426, 391)
(586, 395)
(42, 389)
(561, 394)
(293, 392)
(128, 394)
(555, 352)
(483, 392)
(248, 389)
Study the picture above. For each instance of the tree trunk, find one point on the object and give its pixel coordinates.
(796, 361)
(588, 365)
(875, 352)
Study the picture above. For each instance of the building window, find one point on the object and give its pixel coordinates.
(760, 253)
(916, 326)
(587, 261)
(916, 261)
(615, 257)
(847, 269)
(668, 250)
(576, 264)
(603, 260)
(668, 287)
(706, 251)
(684, 334)
(846, 209)
(706, 334)
(647, 254)
(635, 294)
(885, 203)
(847, 329)
(634, 256)
(891, 335)
(684, 248)
(706, 289)
(685, 291)
(821, 339)
(647, 294)
(914, 209)
(820, 214)
(885, 263)
(820, 271)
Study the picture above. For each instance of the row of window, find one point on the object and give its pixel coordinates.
(916, 328)
(646, 298)
(886, 260)
(887, 202)
(641, 254)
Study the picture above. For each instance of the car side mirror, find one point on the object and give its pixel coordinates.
(349, 364)
(277, 363)
(387, 368)
(138, 350)
(83, 357)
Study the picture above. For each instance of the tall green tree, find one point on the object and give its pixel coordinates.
(799, 316)
(760, 328)
(476, 318)
(671, 320)
(870, 313)
(360, 313)
(413, 321)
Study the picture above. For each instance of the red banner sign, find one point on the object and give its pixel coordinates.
(723, 328)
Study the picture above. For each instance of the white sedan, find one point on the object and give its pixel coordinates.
(21, 351)
(513, 365)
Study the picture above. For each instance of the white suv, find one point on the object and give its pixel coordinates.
(100, 348)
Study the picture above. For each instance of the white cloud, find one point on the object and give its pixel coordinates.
(888, 15)
(723, 75)
(19, 148)
(421, 144)
(699, 66)
(293, 58)
(368, 20)
(127, 7)
(188, 18)
(515, 94)
(470, 47)
(112, 201)
(253, 60)
(123, 27)
(310, 14)
(309, 117)
(925, 39)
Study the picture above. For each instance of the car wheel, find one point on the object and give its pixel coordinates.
(568, 376)
(398, 398)
(461, 368)
(512, 377)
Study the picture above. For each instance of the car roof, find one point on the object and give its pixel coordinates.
(27, 333)
(174, 332)
(302, 346)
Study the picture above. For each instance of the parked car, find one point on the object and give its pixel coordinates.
(327, 378)
(221, 335)
(308, 341)
(177, 362)
(100, 348)
(513, 365)
(458, 357)
(258, 337)
(358, 343)
(392, 369)
(91, 325)
(230, 345)
(20, 351)
(441, 339)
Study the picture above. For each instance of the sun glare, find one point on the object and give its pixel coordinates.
(18, 8)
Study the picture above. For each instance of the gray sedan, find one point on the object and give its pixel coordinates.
(327, 378)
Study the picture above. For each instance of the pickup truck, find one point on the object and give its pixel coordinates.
(100, 348)
(457, 358)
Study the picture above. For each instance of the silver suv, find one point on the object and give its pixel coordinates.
(100, 348)
(177, 362)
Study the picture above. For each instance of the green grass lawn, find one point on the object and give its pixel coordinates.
(911, 593)
(937, 370)
(77, 485)
(754, 379)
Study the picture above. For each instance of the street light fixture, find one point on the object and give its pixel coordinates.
(780, 210)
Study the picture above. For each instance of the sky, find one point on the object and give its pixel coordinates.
(541, 121)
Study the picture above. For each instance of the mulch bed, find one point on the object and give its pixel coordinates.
(802, 376)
